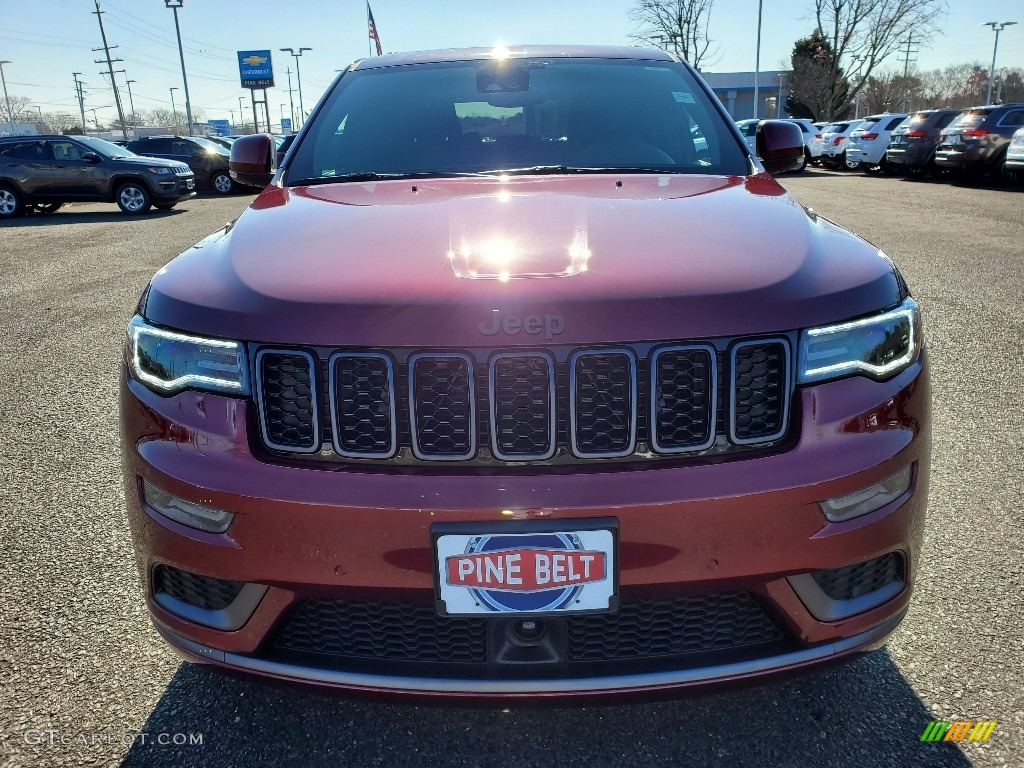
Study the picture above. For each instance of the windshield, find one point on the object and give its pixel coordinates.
(109, 149)
(525, 115)
(211, 145)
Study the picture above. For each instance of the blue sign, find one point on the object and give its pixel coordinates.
(255, 69)
(286, 125)
(221, 127)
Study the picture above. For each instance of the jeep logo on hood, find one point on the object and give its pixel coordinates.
(533, 325)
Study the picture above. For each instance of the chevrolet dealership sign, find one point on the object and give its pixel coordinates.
(255, 69)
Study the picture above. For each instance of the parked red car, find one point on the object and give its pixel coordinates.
(501, 389)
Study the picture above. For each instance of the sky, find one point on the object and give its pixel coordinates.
(47, 40)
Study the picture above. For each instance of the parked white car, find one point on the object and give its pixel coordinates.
(749, 130)
(812, 138)
(834, 136)
(865, 147)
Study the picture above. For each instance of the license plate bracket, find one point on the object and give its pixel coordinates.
(526, 568)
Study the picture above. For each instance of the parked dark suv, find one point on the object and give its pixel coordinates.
(207, 159)
(41, 173)
(912, 146)
(976, 142)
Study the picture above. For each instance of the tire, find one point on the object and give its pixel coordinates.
(803, 164)
(10, 203)
(47, 208)
(133, 198)
(874, 170)
(222, 183)
(850, 165)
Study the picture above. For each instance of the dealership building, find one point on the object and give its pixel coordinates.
(736, 92)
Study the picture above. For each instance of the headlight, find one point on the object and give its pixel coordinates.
(161, 170)
(168, 361)
(879, 346)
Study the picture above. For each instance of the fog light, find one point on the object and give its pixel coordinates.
(869, 499)
(185, 512)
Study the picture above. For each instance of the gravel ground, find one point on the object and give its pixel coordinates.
(80, 663)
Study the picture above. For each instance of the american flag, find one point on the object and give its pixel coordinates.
(373, 29)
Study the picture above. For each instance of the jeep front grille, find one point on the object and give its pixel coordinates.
(501, 407)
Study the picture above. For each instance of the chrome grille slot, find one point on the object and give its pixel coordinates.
(602, 403)
(363, 422)
(442, 408)
(287, 394)
(760, 391)
(684, 389)
(522, 400)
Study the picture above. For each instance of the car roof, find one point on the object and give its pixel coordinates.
(515, 52)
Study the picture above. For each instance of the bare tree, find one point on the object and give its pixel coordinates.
(680, 26)
(869, 31)
(890, 92)
(60, 122)
(19, 105)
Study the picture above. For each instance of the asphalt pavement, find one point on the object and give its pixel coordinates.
(84, 679)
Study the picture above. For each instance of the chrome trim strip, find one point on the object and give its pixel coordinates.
(392, 396)
(621, 683)
(473, 426)
(229, 618)
(552, 417)
(652, 415)
(628, 353)
(314, 396)
(787, 394)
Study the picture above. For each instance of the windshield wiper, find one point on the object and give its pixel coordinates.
(358, 176)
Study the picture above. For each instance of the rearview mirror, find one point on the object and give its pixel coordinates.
(253, 160)
(779, 145)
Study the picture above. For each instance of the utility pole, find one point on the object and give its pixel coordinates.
(81, 99)
(131, 103)
(997, 27)
(110, 69)
(291, 101)
(175, 5)
(906, 70)
(174, 108)
(10, 114)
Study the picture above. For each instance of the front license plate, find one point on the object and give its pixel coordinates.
(540, 572)
(191, 183)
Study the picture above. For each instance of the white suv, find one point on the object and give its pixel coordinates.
(866, 146)
(834, 136)
(812, 138)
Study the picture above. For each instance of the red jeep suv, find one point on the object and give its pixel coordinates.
(524, 378)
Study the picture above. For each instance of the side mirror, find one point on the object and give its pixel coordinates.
(91, 157)
(253, 160)
(779, 145)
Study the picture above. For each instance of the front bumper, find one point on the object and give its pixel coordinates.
(174, 189)
(358, 535)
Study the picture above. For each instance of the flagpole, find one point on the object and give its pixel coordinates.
(369, 41)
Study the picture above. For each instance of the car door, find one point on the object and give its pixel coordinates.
(74, 177)
(26, 164)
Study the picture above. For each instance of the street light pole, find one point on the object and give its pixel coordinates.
(757, 62)
(241, 111)
(997, 27)
(10, 114)
(174, 108)
(778, 103)
(95, 120)
(174, 5)
(298, 77)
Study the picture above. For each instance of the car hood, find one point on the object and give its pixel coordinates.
(145, 160)
(595, 258)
